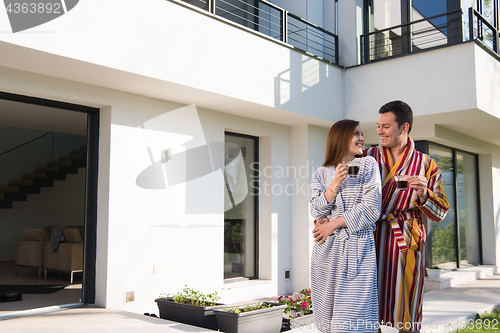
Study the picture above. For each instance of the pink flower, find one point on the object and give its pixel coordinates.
(279, 298)
(304, 305)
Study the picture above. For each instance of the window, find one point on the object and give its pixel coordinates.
(241, 204)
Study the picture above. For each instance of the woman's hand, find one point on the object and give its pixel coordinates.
(324, 229)
(340, 175)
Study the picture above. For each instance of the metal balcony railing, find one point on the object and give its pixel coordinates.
(428, 33)
(424, 34)
(481, 29)
(274, 22)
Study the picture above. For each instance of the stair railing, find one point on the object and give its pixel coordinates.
(36, 153)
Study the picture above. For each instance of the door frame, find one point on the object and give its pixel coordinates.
(90, 220)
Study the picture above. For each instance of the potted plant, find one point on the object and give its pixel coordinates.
(298, 312)
(190, 307)
(434, 272)
(261, 317)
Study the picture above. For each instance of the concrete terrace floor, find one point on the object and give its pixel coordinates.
(444, 310)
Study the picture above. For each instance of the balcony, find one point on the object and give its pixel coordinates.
(276, 23)
(429, 33)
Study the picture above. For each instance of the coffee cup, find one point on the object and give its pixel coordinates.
(401, 182)
(353, 169)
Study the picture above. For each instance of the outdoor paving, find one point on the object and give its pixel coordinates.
(444, 310)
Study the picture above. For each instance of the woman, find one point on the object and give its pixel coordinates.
(346, 207)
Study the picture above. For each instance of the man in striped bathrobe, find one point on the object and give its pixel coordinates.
(400, 235)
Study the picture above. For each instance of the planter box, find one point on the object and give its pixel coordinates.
(300, 322)
(201, 316)
(433, 273)
(263, 321)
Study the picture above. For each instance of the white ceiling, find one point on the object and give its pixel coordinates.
(16, 114)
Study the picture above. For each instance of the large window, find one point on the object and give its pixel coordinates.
(398, 27)
(240, 202)
(455, 241)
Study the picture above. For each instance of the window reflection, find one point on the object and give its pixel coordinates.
(240, 219)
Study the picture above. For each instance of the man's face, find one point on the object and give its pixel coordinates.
(390, 134)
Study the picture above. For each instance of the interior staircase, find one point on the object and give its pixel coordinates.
(18, 190)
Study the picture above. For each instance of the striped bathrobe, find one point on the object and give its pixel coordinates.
(343, 269)
(400, 235)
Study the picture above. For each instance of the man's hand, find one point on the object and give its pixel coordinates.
(419, 184)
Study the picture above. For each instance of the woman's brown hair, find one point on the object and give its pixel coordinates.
(338, 140)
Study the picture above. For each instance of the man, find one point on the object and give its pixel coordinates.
(400, 234)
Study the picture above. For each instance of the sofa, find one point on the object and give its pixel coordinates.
(36, 250)
(69, 256)
(30, 252)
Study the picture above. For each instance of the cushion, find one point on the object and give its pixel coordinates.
(31, 234)
(72, 235)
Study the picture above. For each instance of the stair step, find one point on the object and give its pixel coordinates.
(58, 163)
(47, 169)
(10, 189)
(38, 175)
(77, 152)
(18, 196)
(27, 182)
(5, 204)
(72, 157)
(450, 278)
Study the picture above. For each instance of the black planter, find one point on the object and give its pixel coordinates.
(263, 321)
(201, 316)
(299, 322)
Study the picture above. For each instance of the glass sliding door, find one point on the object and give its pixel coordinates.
(443, 235)
(468, 210)
(455, 241)
(240, 202)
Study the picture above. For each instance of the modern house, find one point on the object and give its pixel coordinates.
(202, 122)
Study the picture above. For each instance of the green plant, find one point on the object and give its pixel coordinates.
(248, 308)
(299, 306)
(435, 267)
(488, 322)
(191, 296)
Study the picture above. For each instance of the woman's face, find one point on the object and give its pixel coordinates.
(357, 142)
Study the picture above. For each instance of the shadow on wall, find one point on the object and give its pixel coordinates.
(185, 166)
(302, 87)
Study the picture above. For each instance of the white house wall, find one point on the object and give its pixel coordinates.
(487, 70)
(145, 242)
(426, 81)
(165, 44)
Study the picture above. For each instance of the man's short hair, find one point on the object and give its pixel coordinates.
(401, 110)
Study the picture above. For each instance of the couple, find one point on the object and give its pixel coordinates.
(366, 228)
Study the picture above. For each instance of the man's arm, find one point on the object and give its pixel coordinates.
(436, 205)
